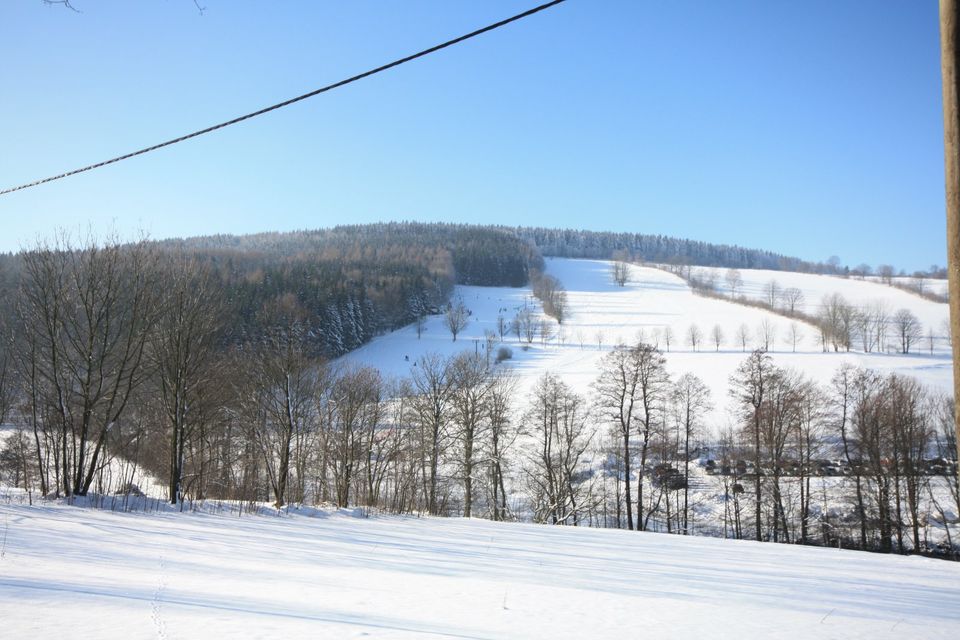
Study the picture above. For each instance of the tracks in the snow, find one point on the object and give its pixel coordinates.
(156, 605)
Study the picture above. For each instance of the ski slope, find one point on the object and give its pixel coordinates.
(603, 314)
(67, 572)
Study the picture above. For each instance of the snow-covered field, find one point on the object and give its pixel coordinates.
(68, 572)
(861, 293)
(936, 286)
(603, 314)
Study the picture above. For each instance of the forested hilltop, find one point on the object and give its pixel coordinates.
(576, 243)
(344, 285)
(339, 286)
(351, 283)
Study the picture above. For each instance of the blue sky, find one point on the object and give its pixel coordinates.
(807, 128)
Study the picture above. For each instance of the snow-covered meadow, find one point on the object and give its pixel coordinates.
(653, 302)
(69, 572)
(859, 292)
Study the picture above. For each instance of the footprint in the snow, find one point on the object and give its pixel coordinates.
(156, 605)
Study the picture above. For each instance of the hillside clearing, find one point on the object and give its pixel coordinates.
(603, 315)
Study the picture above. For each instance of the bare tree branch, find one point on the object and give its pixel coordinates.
(65, 3)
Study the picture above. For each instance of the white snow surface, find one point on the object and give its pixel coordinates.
(652, 301)
(69, 572)
(937, 286)
(858, 292)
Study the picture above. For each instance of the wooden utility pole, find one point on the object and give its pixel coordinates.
(951, 148)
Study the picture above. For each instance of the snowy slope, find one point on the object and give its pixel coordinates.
(858, 292)
(76, 573)
(937, 286)
(603, 314)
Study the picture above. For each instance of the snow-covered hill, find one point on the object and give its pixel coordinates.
(861, 293)
(603, 314)
(80, 573)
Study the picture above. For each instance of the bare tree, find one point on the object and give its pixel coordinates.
(559, 305)
(182, 350)
(694, 336)
(433, 382)
(616, 400)
(945, 439)
(551, 294)
(456, 318)
(355, 408)
(516, 326)
(881, 318)
(779, 416)
(772, 293)
(557, 420)
(794, 336)
(865, 325)
(734, 281)
(749, 386)
(812, 413)
(717, 335)
(886, 271)
(653, 387)
(792, 300)
(87, 312)
(489, 342)
(620, 273)
(837, 320)
(743, 336)
(420, 325)
(847, 385)
(690, 399)
(503, 326)
(667, 335)
(706, 280)
(907, 329)
(64, 3)
(919, 282)
(908, 409)
(388, 443)
(526, 326)
(545, 329)
(766, 333)
(502, 435)
(279, 393)
(470, 386)
(6, 373)
(870, 436)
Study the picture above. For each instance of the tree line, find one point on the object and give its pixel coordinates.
(123, 356)
(841, 325)
(606, 245)
(111, 367)
(98, 336)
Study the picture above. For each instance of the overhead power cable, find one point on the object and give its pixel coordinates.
(285, 103)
